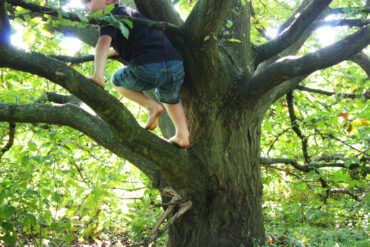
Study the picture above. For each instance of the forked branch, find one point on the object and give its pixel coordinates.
(291, 67)
(292, 33)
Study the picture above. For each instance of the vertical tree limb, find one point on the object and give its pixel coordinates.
(295, 126)
(10, 143)
(304, 141)
(204, 21)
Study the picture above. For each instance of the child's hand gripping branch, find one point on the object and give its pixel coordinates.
(153, 63)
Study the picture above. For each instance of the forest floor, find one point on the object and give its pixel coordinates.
(317, 236)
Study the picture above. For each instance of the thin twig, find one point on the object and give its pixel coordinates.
(283, 170)
(351, 96)
(345, 191)
(344, 143)
(125, 189)
(306, 168)
(277, 137)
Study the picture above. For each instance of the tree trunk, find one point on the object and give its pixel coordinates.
(229, 213)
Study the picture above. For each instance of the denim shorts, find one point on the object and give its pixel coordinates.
(166, 77)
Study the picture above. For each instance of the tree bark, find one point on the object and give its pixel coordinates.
(229, 212)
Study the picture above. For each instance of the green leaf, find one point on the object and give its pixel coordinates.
(129, 23)
(7, 211)
(229, 23)
(116, 23)
(82, 17)
(57, 198)
(69, 238)
(7, 226)
(10, 239)
(124, 30)
(108, 9)
(3, 195)
(32, 219)
(56, 227)
(46, 144)
(32, 146)
(98, 14)
(234, 40)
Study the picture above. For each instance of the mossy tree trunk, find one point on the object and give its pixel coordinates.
(229, 86)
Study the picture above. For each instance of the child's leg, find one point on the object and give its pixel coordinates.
(155, 110)
(177, 115)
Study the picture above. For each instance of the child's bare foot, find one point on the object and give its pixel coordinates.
(183, 142)
(153, 117)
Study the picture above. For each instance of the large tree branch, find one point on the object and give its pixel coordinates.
(163, 10)
(234, 34)
(89, 34)
(73, 116)
(292, 33)
(160, 10)
(98, 21)
(363, 61)
(272, 95)
(123, 125)
(276, 93)
(83, 59)
(291, 67)
(204, 21)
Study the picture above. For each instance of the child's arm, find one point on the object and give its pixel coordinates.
(101, 54)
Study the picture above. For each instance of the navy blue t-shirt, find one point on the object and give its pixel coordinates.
(144, 45)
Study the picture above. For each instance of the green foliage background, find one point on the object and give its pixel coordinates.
(57, 186)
